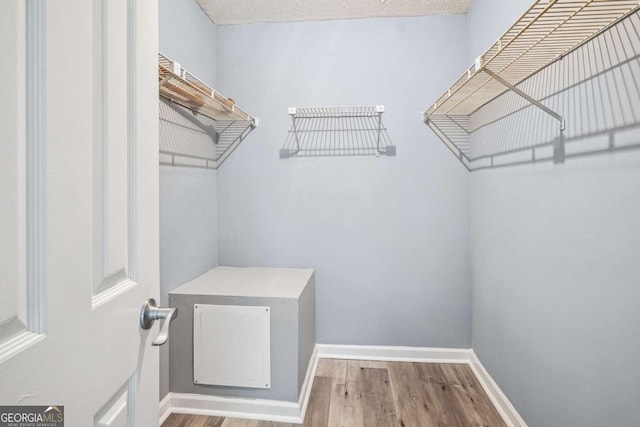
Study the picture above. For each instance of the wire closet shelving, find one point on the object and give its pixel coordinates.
(226, 124)
(546, 33)
(336, 132)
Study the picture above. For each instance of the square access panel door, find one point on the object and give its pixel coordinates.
(232, 345)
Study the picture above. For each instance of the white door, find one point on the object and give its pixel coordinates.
(79, 208)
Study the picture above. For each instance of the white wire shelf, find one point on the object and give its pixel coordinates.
(337, 132)
(547, 32)
(226, 124)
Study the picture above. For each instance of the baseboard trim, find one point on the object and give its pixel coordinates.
(305, 392)
(165, 408)
(294, 412)
(394, 354)
(253, 409)
(502, 403)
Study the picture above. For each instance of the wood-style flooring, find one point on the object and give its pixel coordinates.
(352, 393)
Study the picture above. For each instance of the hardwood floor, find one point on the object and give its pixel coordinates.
(352, 393)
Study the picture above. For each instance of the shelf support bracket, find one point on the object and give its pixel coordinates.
(533, 101)
(295, 133)
(447, 142)
(379, 131)
(208, 129)
(558, 146)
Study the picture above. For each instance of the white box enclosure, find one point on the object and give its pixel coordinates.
(225, 343)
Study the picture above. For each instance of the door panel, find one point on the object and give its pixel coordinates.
(119, 409)
(12, 174)
(112, 41)
(79, 225)
(21, 313)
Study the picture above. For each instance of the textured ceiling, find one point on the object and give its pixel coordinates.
(246, 11)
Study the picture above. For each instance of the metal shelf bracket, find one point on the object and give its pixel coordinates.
(558, 146)
(531, 100)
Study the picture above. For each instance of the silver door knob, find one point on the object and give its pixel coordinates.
(150, 313)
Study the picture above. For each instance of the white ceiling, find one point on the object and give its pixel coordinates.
(247, 11)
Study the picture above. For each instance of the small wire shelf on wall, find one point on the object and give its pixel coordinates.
(337, 132)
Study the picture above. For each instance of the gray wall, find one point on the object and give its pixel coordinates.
(489, 19)
(388, 237)
(188, 197)
(188, 226)
(188, 36)
(556, 262)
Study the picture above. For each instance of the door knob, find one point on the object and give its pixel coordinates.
(150, 313)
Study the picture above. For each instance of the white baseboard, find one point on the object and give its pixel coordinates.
(165, 408)
(252, 409)
(394, 354)
(502, 403)
(305, 392)
(294, 412)
(232, 407)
